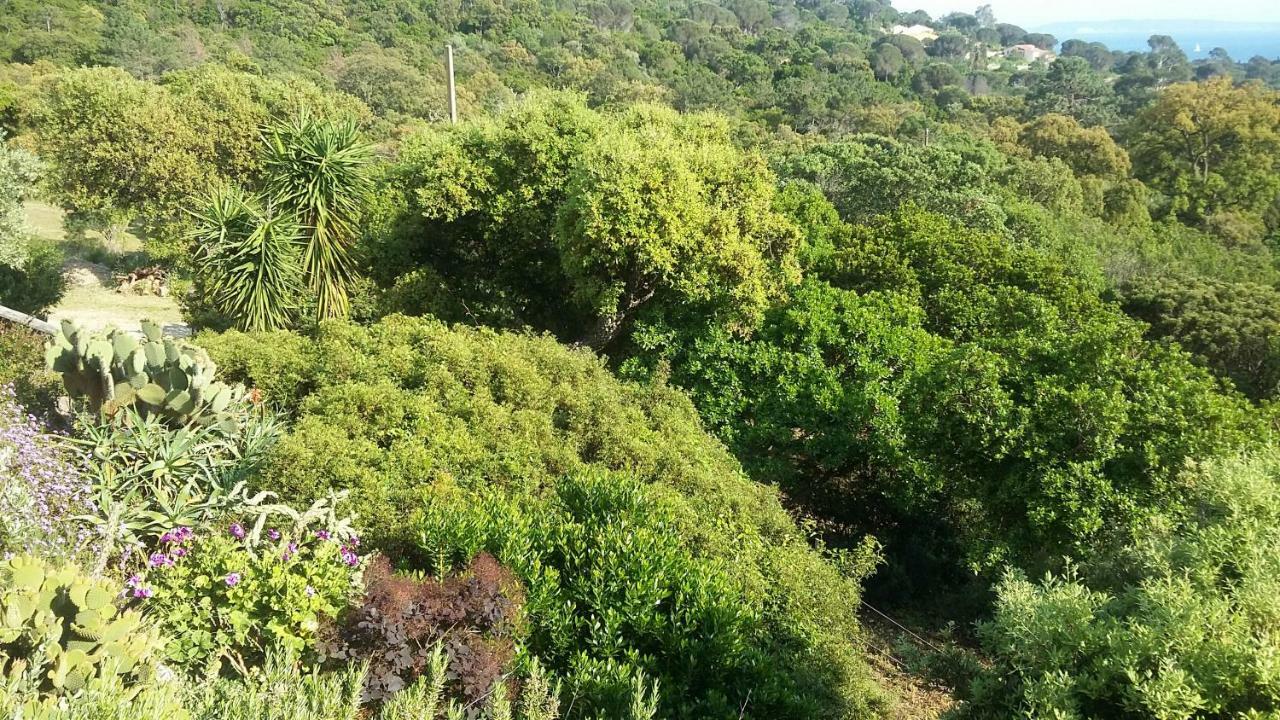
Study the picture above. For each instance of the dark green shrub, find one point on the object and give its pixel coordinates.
(408, 408)
(38, 284)
(22, 365)
(280, 365)
(1233, 328)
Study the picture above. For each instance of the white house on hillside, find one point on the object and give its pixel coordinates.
(1027, 52)
(919, 32)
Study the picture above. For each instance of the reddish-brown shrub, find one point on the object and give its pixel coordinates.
(473, 615)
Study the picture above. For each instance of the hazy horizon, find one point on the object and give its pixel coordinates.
(1034, 13)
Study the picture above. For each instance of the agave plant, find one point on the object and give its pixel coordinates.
(250, 256)
(320, 170)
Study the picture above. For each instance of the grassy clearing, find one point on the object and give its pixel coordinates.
(99, 307)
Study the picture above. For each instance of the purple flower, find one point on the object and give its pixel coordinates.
(237, 531)
(169, 538)
(160, 560)
(354, 541)
(178, 552)
(274, 534)
(310, 591)
(349, 557)
(183, 534)
(142, 592)
(133, 581)
(289, 551)
(233, 579)
(322, 534)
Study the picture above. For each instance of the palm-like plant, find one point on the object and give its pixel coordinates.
(320, 170)
(250, 256)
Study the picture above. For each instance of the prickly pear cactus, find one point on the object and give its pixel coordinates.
(68, 626)
(154, 374)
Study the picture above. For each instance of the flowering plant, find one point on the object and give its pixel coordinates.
(42, 489)
(226, 595)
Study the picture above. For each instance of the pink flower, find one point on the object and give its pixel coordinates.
(322, 534)
(349, 557)
(133, 581)
(233, 579)
(237, 531)
(142, 592)
(274, 534)
(160, 560)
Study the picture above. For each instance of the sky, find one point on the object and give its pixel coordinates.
(1038, 12)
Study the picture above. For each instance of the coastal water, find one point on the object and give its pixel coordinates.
(1241, 44)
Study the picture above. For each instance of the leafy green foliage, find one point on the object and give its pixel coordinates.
(19, 171)
(318, 170)
(614, 593)
(249, 264)
(1177, 626)
(407, 409)
(1210, 147)
(22, 368)
(642, 206)
(1233, 328)
(942, 365)
(869, 175)
(36, 284)
(227, 595)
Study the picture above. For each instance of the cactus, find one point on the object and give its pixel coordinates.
(68, 626)
(155, 374)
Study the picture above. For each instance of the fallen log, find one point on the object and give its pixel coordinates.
(30, 321)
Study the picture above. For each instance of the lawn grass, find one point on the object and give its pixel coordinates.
(99, 307)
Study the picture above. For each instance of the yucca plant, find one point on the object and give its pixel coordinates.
(250, 255)
(319, 170)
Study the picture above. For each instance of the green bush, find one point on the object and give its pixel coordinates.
(281, 366)
(22, 366)
(1182, 625)
(1233, 328)
(407, 407)
(929, 374)
(37, 284)
(234, 593)
(614, 592)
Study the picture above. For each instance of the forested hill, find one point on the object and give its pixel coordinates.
(813, 64)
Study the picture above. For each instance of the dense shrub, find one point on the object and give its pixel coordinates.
(939, 372)
(408, 407)
(1233, 328)
(22, 367)
(36, 284)
(403, 622)
(1181, 625)
(280, 365)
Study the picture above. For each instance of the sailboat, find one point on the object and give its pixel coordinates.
(1197, 47)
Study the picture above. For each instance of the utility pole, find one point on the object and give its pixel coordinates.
(453, 95)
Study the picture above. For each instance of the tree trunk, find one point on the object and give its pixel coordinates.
(606, 327)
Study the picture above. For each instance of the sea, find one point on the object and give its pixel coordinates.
(1241, 42)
